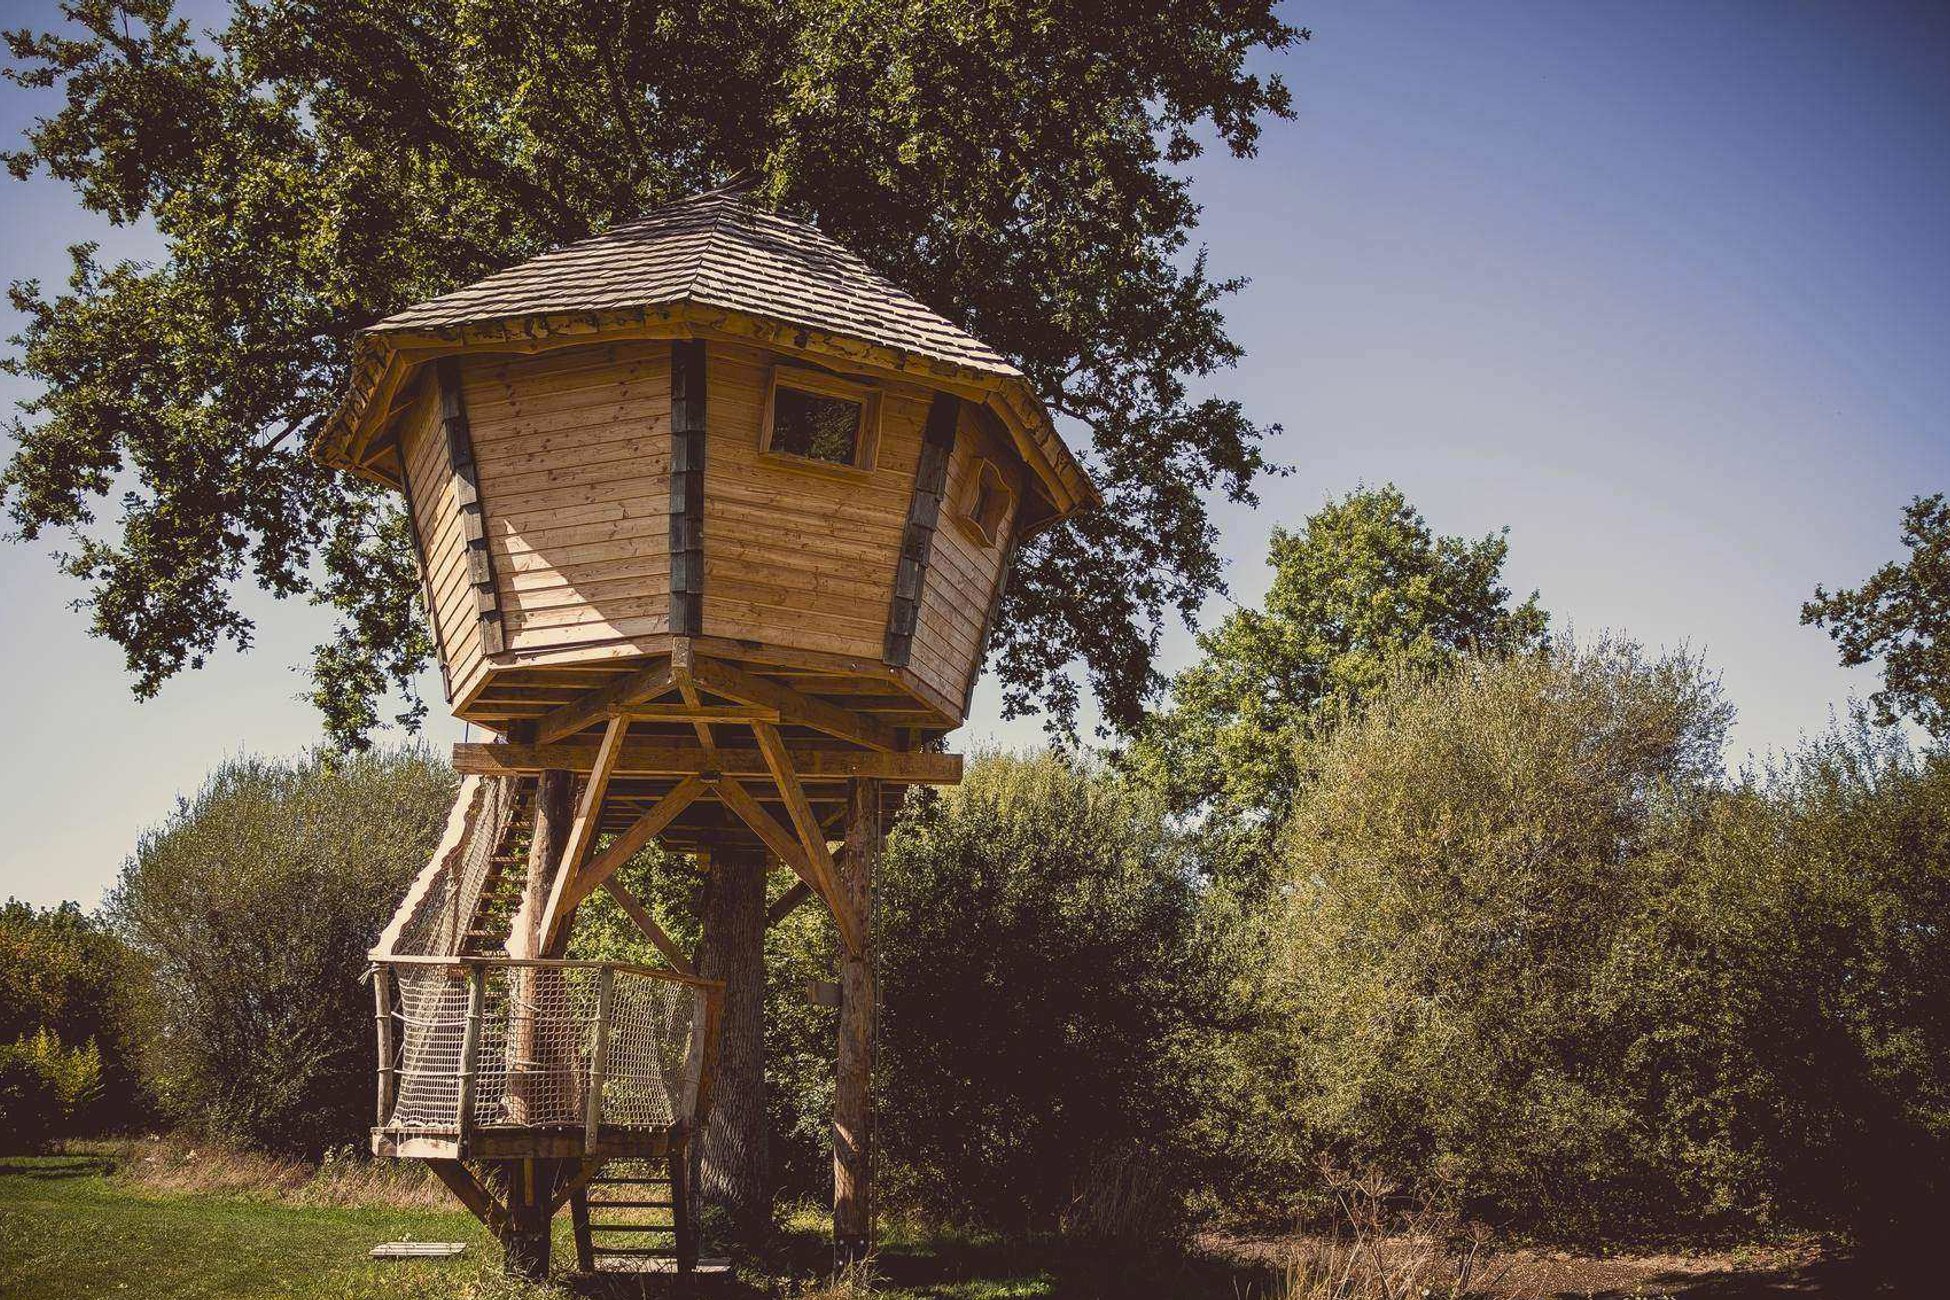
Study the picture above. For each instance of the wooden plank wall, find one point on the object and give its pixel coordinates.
(962, 573)
(574, 454)
(436, 517)
(797, 557)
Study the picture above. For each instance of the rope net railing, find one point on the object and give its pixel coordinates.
(501, 1042)
(433, 920)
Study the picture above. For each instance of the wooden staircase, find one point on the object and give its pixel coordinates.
(494, 913)
(635, 1217)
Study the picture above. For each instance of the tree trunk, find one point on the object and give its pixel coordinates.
(735, 1171)
(853, 1083)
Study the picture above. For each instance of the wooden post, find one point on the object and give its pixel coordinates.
(598, 1057)
(382, 1015)
(527, 988)
(525, 1243)
(853, 1083)
(470, 1052)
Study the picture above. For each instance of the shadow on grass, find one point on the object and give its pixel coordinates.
(51, 1168)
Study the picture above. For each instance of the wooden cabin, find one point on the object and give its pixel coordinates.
(712, 423)
(713, 525)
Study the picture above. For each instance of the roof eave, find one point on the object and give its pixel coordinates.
(384, 357)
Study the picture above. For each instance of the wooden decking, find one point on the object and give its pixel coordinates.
(516, 1142)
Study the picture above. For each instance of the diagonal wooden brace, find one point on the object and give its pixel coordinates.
(812, 863)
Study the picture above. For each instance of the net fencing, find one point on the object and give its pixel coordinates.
(548, 1036)
(445, 899)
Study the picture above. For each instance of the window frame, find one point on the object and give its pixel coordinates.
(818, 383)
(985, 471)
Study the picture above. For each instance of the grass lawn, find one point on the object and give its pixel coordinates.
(67, 1231)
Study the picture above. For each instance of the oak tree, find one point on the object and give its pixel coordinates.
(313, 165)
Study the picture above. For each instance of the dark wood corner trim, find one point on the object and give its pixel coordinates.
(687, 381)
(923, 517)
(473, 513)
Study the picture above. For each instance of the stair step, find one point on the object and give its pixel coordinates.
(667, 1228)
(624, 1180)
(632, 1205)
(636, 1252)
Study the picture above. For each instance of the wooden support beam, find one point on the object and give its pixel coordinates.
(659, 939)
(793, 706)
(923, 516)
(741, 714)
(460, 1180)
(566, 889)
(668, 758)
(812, 836)
(787, 848)
(568, 1187)
(787, 903)
(646, 683)
(681, 665)
(853, 1076)
(639, 833)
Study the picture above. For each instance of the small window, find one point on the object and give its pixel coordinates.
(817, 418)
(809, 424)
(987, 503)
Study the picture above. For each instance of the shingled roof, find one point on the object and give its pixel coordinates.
(717, 250)
(716, 265)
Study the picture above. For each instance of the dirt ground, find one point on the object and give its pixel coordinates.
(1750, 1273)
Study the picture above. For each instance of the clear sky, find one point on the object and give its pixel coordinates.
(1664, 287)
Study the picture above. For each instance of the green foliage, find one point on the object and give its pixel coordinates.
(67, 977)
(1787, 997)
(46, 1089)
(318, 164)
(252, 909)
(1043, 994)
(1460, 867)
(1538, 953)
(1363, 586)
(1901, 615)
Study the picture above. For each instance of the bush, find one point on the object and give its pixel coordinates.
(1539, 953)
(252, 910)
(45, 1089)
(66, 978)
(1043, 1001)
(1471, 854)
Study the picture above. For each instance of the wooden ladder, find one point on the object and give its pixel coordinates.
(641, 1212)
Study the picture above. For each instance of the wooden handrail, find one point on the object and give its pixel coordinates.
(552, 963)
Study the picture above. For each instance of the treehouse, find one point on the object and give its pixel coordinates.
(713, 525)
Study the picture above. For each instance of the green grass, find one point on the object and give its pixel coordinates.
(71, 1230)
(67, 1230)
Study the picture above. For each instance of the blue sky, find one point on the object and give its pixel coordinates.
(1665, 288)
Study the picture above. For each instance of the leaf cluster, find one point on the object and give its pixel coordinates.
(313, 165)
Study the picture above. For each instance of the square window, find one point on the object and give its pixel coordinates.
(814, 420)
(816, 426)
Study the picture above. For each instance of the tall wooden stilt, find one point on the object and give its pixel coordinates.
(853, 1085)
(526, 1240)
(735, 1172)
